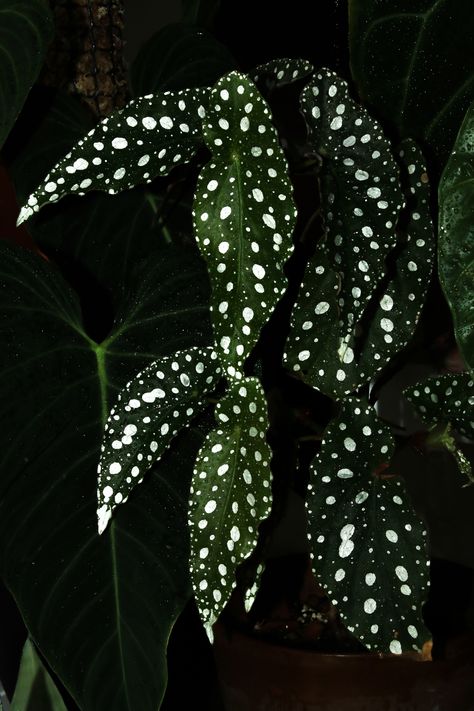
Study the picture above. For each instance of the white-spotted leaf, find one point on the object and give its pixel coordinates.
(279, 72)
(446, 398)
(243, 216)
(152, 408)
(335, 361)
(313, 341)
(367, 543)
(146, 138)
(230, 495)
(360, 189)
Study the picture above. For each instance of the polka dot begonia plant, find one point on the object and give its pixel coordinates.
(358, 303)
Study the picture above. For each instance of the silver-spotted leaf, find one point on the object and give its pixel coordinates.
(446, 398)
(338, 362)
(312, 345)
(360, 189)
(390, 322)
(279, 72)
(230, 495)
(243, 216)
(456, 236)
(152, 408)
(146, 138)
(367, 543)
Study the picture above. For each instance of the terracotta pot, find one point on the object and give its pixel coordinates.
(259, 676)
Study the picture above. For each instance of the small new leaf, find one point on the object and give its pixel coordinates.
(230, 495)
(151, 409)
(368, 544)
(280, 72)
(243, 217)
(147, 138)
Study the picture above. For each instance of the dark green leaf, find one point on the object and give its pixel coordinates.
(35, 690)
(412, 60)
(361, 194)
(179, 56)
(445, 398)
(279, 72)
(200, 12)
(147, 138)
(230, 495)
(125, 588)
(368, 544)
(244, 216)
(393, 318)
(456, 236)
(138, 431)
(46, 140)
(26, 29)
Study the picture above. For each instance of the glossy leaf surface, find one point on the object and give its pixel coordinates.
(230, 495)
(368, 544)
(243, 216)
(146, 138)
(445, 398)
(152, 408)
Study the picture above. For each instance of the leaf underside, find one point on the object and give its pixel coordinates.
(35, 690)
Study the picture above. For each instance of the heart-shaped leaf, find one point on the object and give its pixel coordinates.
(126, 587)
(360, 190)
(407, 67)
(26, 29)
(35, 690)
(456, 236)
(179, 56)
(368, 544)
(152, 408)
(243, 216)
(230, 495)
(146, 138)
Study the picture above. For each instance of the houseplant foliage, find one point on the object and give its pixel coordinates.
(167, 395)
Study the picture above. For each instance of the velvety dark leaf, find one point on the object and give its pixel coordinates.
(35, 690)
(230, 495)
(138, 431)
(26, 29)
(456, 236)
(146, 138)
(244, 216)
(179, 56)
(127, 587)
(412, 61)
(369, 546)
(200, 12)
